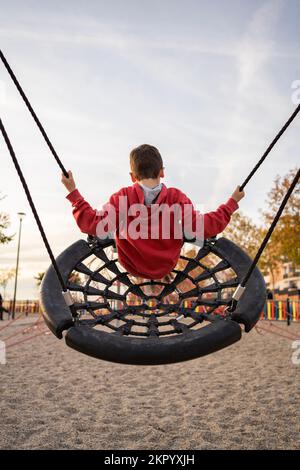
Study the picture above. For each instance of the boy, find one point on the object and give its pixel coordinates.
(152, 251)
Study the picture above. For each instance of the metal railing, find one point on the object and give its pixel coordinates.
(281, 310)
(23, 306)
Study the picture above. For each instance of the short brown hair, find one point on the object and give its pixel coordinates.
(145, 162)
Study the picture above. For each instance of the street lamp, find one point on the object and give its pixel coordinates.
(21, 217)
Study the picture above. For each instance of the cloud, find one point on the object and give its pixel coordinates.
(98, 35)
(255, 47)
(256, 93)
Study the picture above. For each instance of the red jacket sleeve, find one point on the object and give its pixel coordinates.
(211, 223)
(215, 222)
(86, 217)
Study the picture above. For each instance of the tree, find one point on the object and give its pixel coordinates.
(271, 257)
(5, 276)
(284, 243)
(286, 234)
(244, 233)
(38, 278)
(249, 236)
(74, 277)
(4, 224)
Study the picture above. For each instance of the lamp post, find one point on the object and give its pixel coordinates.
(21, 217)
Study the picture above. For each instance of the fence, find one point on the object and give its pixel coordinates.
(281, 310)
(23, 306)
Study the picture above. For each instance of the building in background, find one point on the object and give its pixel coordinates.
(286, 282)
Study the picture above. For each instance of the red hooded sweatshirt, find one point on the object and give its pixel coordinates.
(150, 258)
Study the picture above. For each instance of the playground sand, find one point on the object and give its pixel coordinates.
(244, 397)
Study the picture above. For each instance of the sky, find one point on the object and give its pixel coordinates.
(207, 82)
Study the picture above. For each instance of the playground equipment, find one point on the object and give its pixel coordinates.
(282, 310)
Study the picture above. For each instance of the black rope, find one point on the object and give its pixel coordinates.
(33, 114)
(272, 144)
(233, 303)
(32, 206)
(271, 229)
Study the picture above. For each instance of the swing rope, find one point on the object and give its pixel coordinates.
(272, 144)
(66, 293)
(240, 289)
(33, 114)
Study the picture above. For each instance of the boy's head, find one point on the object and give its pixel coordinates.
(146, 163)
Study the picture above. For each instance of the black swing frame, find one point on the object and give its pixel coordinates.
(153, 349)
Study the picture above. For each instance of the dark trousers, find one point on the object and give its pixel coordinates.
(2, 309)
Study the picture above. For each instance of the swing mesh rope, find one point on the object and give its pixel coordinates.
(108, 297)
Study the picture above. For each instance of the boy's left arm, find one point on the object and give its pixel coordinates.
(86, 217)
(216, 221)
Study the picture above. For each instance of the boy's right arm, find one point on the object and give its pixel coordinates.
(215, 222)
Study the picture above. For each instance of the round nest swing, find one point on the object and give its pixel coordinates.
(124, 319)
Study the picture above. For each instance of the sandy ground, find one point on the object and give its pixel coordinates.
(244, 397)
